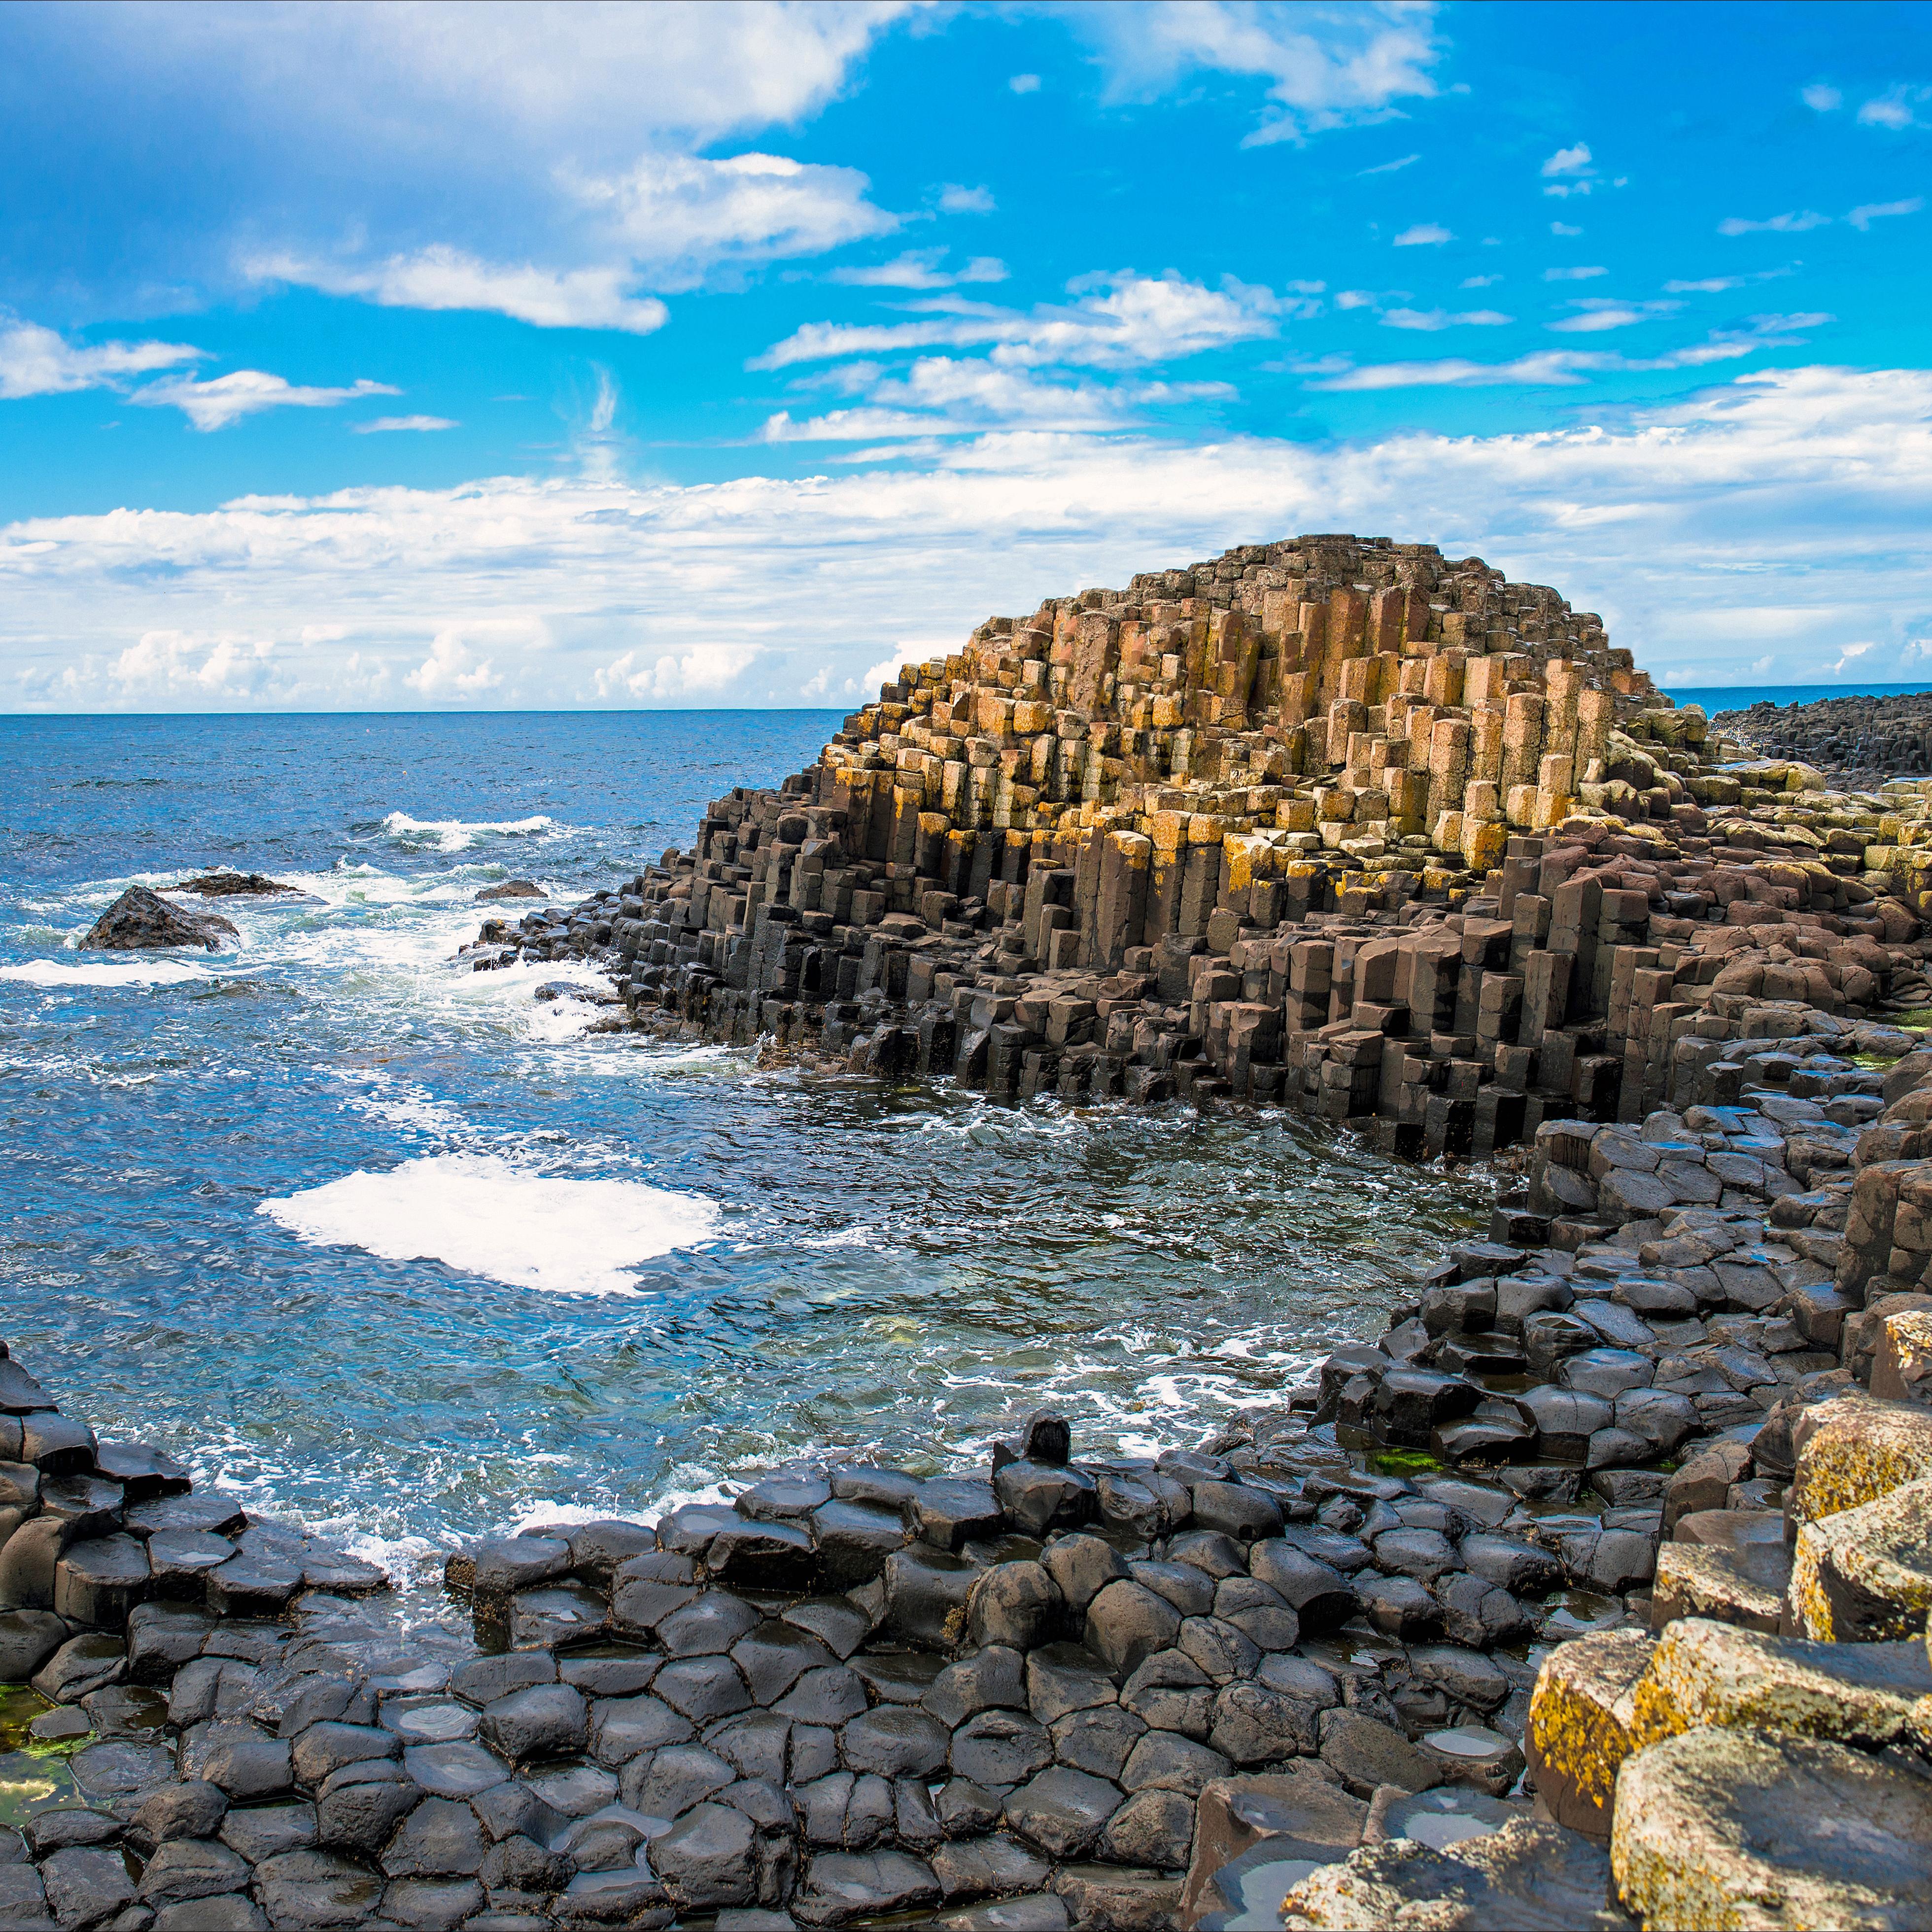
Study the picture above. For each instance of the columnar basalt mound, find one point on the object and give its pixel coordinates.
(1339, 824)
(1859, 739)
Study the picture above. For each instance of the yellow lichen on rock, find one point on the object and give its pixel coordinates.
(1578, 1732)
(1855, 1451)
(1704, 1672)
(1865, 1575)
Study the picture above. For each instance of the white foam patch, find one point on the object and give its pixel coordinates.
(458, 835)
(100, 972)
(480, 1214)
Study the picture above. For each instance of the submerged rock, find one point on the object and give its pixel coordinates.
(140, 920)
(512, 889)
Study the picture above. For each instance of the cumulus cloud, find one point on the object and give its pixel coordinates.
(1568, 161)
(224, 400)
(1024, 83)
(36, 361)
(1423, 235)
(1117, 321)
(955, 199)
(1820, 98)
(1325, 67)
(1585, 275)
(553, 161)
(452, 670)
(1692, 527)
(1598, 312)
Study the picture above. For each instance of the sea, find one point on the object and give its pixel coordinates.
(399, 1250)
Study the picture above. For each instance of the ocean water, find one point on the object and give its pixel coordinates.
(394, 1247)
(1715, 698)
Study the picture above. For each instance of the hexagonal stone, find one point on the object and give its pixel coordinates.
(460, 1770)
(894, 1743)
(244, 1761)
(1236, 1510)
(1127, 1622)
(27, 1638)
(1097, 1740)
(1016, 1605)
(854, 1539)
(622, 1728)
(323, 1748)
(1319, 1595)
(830, 1695)
(573, 1787)
(1152, 1828)
(261, 1831)
(707, 1858)
(358, 1806)
(1253, 1724)
(546, 1721)
(842, 1885)
(775, 1656)
(431, 1904)
(968, 1868)
(1062, 1810)
(645, 1590)
(708, 1627)
(1367, 1753)
(1163, 1761)
(676, 1778)
(316, 1888)
(1063, 1677)
(86, 1885)
(926, 1594)
(754, 1743)
(191, 1868)
(1223, 1652)
(440, 1838)
(836, 1622)
(1000, 1747)
(992, 1678)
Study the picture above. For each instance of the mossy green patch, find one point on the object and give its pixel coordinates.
(1403, 1463)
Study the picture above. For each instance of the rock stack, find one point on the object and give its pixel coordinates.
(1332, 823)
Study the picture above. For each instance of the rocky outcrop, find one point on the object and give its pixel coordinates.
(139, 920)
(232, 885)
(1337, 824)
(512, 889)
(1860, 739)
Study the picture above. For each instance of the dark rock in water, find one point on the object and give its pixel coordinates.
(232, 885)
(512, 888)
(140, 920)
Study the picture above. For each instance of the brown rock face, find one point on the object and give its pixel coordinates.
(140, 920)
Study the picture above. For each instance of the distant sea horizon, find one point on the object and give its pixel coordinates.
(1714, 697)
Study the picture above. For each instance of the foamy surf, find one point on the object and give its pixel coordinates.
(478, 1213)
(104, 972)
(458, 835)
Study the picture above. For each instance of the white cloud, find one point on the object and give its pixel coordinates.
(918, 269)
(1787, 223)
(955, 199)
(452, 670)
(1596, 313)
(1564, 228)
(1821, 99)
(1348, 298)
(1024, 83)
(36, 361)
(383, 423)
(1423, 235)
(224, 400)
(1572, 274)
(1805, 491)
(1894, 108)
(560, 144)
(446, 278)
(199, 666)
(1436, 318)
(1389, 167)
(1138, 319)
(1326, 67)
(1568, 161)
(1479, 281)
(1862, 218)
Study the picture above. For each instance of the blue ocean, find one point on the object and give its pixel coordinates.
(398, 1249)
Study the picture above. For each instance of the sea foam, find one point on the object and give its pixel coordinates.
(458, 835)
(478, 1213)
(104, 972)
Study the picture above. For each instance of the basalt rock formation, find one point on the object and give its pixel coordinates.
(1332, 823)
(232, 885)
(1858, 739)
(140, 920)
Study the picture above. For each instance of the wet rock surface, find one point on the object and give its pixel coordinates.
(140, 920)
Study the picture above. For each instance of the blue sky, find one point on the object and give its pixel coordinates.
(401, 356)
